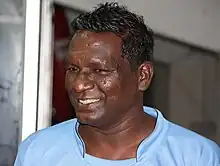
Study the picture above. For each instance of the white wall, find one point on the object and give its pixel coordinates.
(194, 93)
(193, 21)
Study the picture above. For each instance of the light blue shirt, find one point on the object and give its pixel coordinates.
(168, 145)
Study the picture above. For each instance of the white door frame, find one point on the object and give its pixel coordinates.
(31, 60)
(46, 66)
(38, 69)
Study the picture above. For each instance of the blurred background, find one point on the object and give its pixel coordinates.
(34, 37)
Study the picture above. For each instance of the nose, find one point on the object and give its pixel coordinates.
(82, 83)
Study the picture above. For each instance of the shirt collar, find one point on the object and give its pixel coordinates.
(146, 147)
(78, 142)
(151, 143)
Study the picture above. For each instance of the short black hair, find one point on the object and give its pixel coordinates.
(137, 38)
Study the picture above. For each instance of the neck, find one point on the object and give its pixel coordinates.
(127, 133)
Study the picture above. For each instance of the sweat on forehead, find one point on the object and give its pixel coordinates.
(82, 34)
(96, 39)
(106, 44)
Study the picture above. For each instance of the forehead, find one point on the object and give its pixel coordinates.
(104, 41)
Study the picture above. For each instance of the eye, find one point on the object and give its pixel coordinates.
(102, 71)
(72, 69)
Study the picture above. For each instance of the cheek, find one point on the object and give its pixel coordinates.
(69, 79)
(107, 84)
(111, 87)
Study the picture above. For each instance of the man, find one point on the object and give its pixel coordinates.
(108, 68)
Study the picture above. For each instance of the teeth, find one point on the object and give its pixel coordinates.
(88, 101)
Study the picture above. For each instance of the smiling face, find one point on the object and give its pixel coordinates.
(101, 85)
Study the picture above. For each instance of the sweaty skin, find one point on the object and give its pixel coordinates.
(107, 95)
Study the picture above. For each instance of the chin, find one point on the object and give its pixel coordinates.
(91, 120)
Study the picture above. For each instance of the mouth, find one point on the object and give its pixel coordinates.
(88, 101)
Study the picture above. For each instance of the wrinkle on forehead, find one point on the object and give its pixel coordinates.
(96, 46)
(94, 59)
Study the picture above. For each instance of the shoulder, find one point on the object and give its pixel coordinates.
(193, 145)
(51, 134)
(41, 141)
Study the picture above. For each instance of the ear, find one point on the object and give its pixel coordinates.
(145, 75)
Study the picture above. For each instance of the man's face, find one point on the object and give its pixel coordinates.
(100, 83)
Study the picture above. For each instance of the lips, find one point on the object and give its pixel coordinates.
(88, 101)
